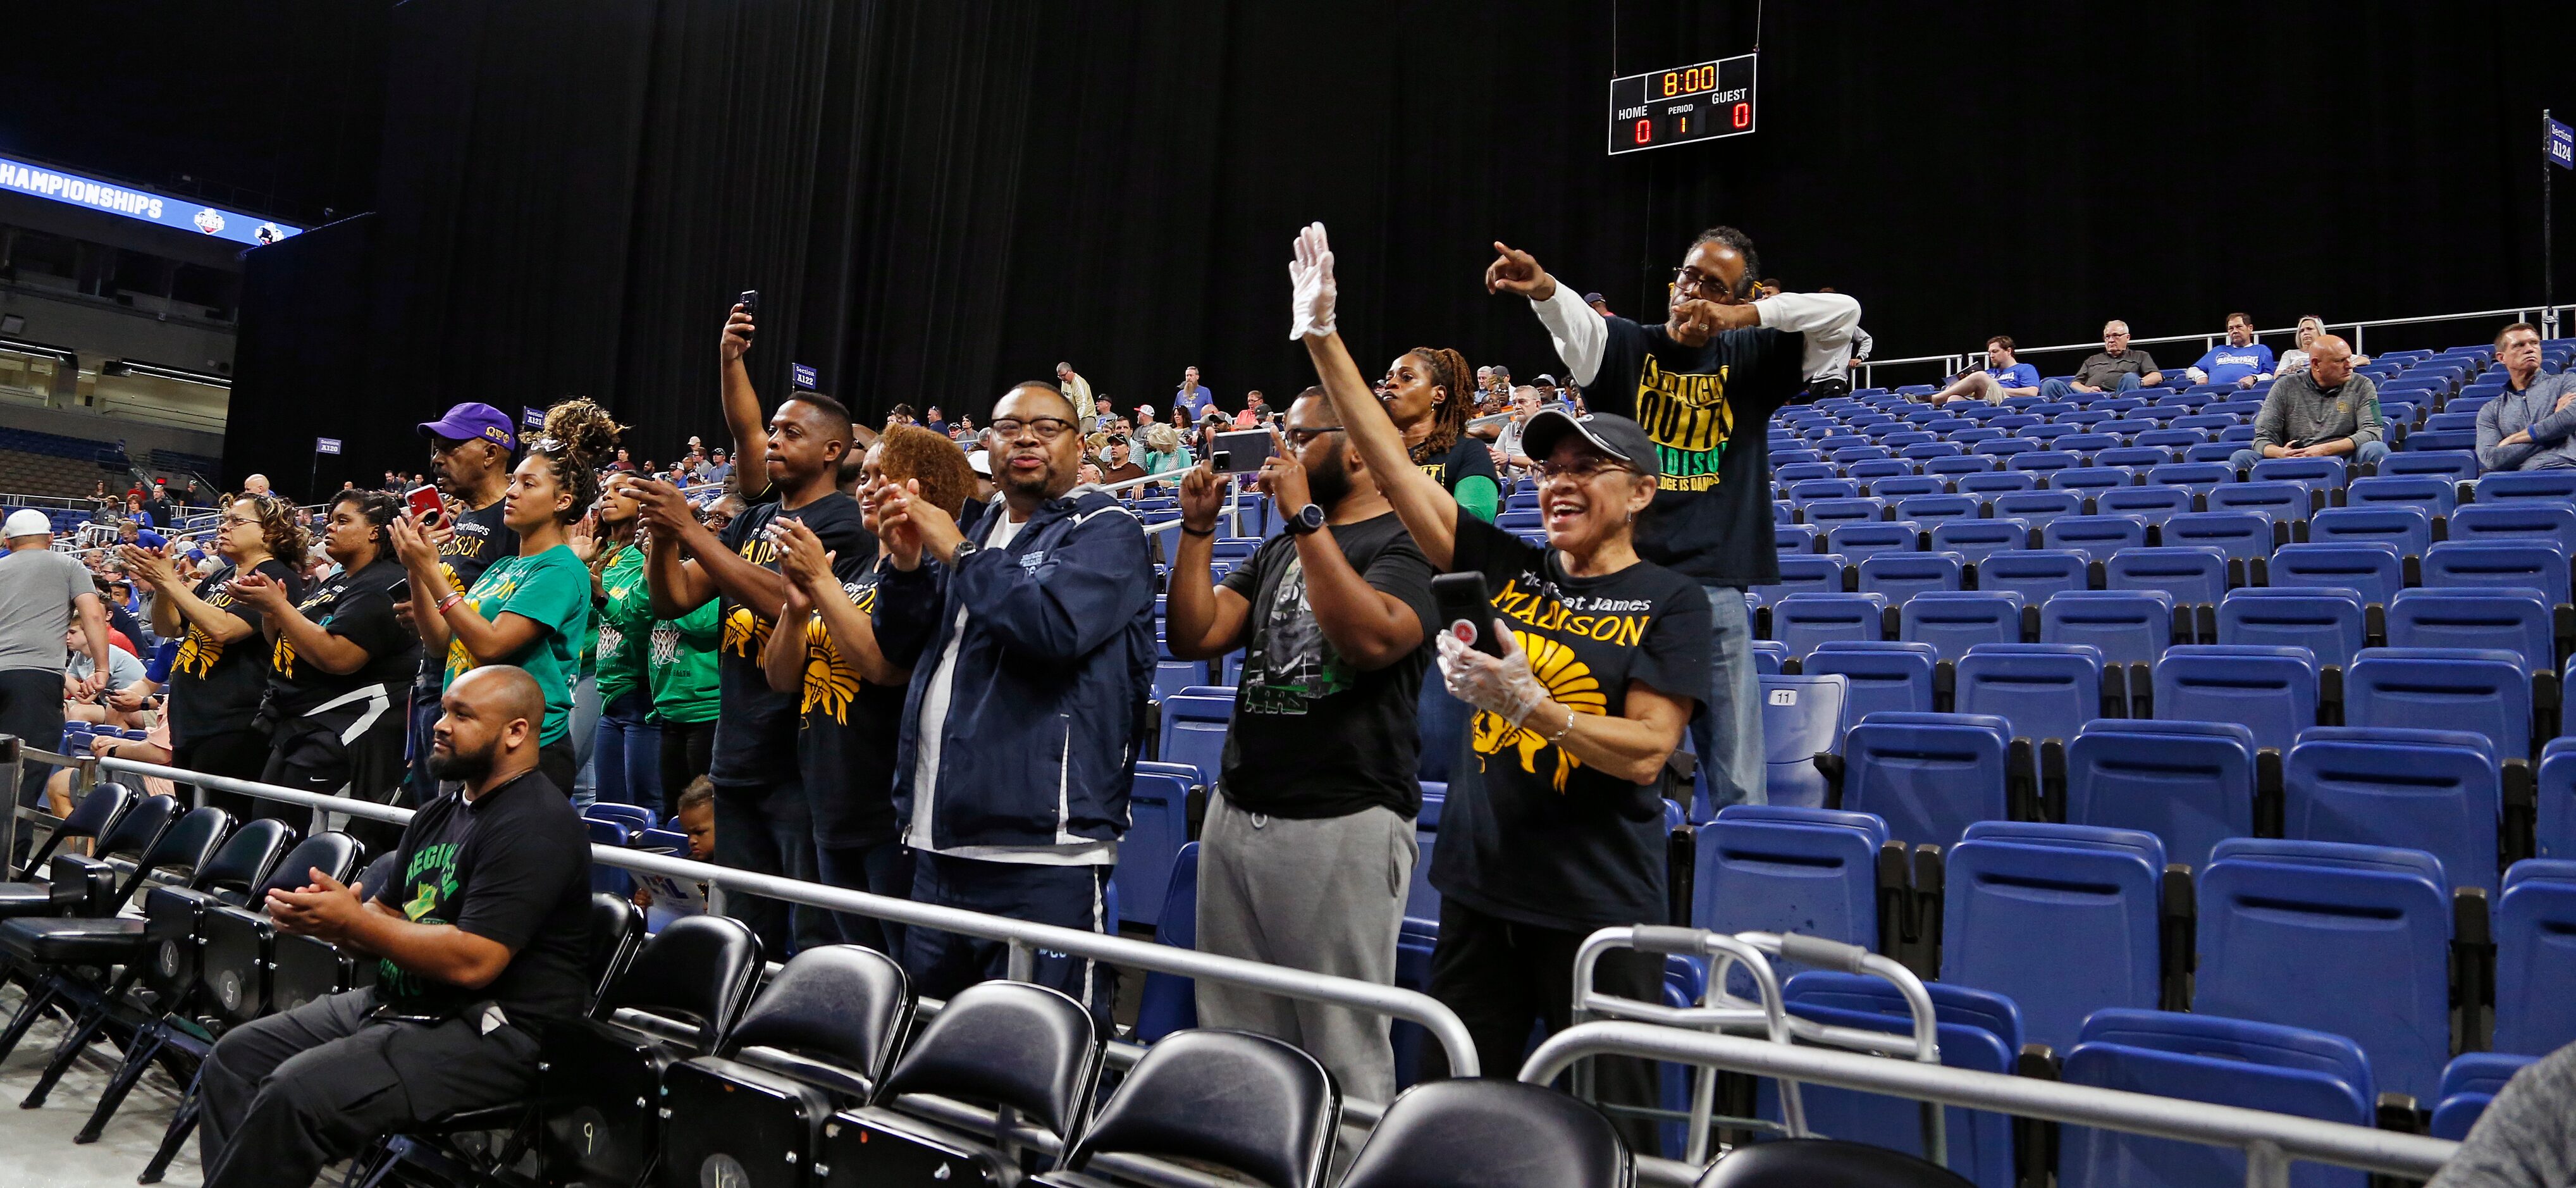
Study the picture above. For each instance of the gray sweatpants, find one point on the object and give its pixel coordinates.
(1325, 895)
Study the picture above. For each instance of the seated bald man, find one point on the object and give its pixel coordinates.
(483, 936)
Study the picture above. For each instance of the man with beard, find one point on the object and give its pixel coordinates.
(1030, 637)
(1309, 847)
(480, 940)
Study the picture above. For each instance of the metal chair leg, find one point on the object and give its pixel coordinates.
(182, 1124)
(86, 1026)
(39, 1000)
(138, 1059)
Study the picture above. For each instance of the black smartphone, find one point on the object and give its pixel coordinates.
(749, 301)
(400, 591)
(1466, 611)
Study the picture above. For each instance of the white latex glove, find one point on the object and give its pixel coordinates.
(1503, 687)
(1310, 275)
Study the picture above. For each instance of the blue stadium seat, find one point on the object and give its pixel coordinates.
(2531, 564)
(2372, 570)
(1929, 776)
(2231, 1062)
(1159, 808)
(2432, 790)
(1907, 486)
(1995, 482)
(2044, 690)
(2557, 790)
(1168, 1002)
(2271, 691)
(2044, 461)
(1801, 621)
(1930, 511)
(2481, 692)
(1818, 877)
(604, 878)
(2127, 626)
(1805, 491)
(1796, 538)
(1876, 469)
(2441, 440)
(2433, 495)
(2152, 448)
(2193, 573)
(2035, 574)
(1792, 473)
(2201, 477)
(1961, 465)
(2315, 474)
(1421, 899)
(1976, 540)
(2006, 446)
(2243, 535)
(2277, 944)
(1902, 575)
(2038, 507)
(2535, 933)
(1172, 676)
(2062, 919)
(1954, 621)
(635, 817)
(2457, 465)
(1859, 542)
(1883, 674)
(1801, 573)
(2155, 505)
(2517, 519)
(1975, 1030)
(2409, 529)
(1768, 655)
(2469, 1085)
(2556, 486)
(2189, 783)
(2098, 536)
(1802, 717)
(1194, 725)
(1828, 514)
(2506, 618)
(2282, 502)
(2330, 623)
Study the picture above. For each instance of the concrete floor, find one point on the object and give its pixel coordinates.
(36, 1148)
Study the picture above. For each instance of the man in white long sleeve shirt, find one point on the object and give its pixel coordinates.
(1704, 384)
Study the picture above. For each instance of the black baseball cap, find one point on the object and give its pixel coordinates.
(1615, 436)
(1592, 299)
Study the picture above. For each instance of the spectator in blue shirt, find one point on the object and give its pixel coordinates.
(1192, 399)
(2239, 362)
(2002, 377)
(136, 534)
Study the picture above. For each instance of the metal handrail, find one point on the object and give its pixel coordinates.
(1023, 938)
(2269, 1140)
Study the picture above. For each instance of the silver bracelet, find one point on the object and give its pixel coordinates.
(1564, 730)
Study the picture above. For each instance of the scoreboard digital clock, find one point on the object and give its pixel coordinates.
(1682, 106)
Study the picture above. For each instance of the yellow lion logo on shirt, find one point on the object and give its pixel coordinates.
(1570, 682)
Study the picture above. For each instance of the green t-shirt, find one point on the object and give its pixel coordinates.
(680, 663)
(551, 588)
(624, 625)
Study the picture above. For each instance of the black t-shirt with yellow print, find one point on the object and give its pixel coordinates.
(215, 687)
(1708, 409)
(847, 743)
(755, 744)
(357, 607)
(476, 539)
(1529, 833)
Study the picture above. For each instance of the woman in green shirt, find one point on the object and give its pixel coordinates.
(1164, 453)
(531, 610)
(626, 760)
(680, 665)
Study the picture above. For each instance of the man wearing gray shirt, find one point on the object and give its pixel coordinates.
(40, 590)
(2323, 411)
(2527, 1137)
(2527, 426)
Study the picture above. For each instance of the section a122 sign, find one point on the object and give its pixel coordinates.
(1708, 101)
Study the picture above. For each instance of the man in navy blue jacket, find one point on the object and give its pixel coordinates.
(1031, 642)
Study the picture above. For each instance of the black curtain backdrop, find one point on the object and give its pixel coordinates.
(938, 199)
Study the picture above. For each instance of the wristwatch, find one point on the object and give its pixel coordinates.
(1307, 519)
(965, 549)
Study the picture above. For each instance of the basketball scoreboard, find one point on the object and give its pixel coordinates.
(1659, 108)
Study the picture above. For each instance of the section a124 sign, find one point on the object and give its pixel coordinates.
(1683, 105)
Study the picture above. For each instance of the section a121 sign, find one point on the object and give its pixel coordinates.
(1679, 106)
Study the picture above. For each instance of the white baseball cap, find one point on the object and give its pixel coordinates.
(27, 521)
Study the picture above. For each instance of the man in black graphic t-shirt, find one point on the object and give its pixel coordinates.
(470, 452)
(482, 936)
(1308, 849)
(1704, 385)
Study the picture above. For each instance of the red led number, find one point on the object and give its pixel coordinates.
(1645, 131)
(1743, 115)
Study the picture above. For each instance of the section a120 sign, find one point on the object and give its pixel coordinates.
(1683, 105)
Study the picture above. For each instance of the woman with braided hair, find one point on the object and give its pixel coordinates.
(1428, 392)
(531, 610)
(221, 670)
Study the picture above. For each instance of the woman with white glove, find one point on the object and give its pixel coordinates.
(1553, 827)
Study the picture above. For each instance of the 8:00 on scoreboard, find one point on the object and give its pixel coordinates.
(1708, 101)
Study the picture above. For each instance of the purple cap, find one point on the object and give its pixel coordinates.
(469, 421)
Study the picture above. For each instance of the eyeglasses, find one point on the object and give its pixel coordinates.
(1047, 428)
(1688, 281)
(235, 521)
(1581, 469)
(1300, 437)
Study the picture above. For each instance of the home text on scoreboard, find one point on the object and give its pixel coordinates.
(1680, 106)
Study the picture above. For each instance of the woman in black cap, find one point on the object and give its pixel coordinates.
(1554, 823)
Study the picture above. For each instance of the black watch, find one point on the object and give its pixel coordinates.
(965, 549)
(1306, 519)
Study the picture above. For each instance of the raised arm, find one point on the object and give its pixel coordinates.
(1200, 618)
(1581, 335)
(742, 405)
(1428, 512)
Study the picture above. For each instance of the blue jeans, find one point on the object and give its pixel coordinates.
(2058, 389)
(2368, 453)
(626, 760)
(1726, 729)
(584, 728)
(770, 830)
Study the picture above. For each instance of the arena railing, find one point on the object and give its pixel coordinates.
(2270, 1141)
(1953, 364)
(1022, 938)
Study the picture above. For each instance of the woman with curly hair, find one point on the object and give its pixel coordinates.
(222, 667)
(531, 610)
(1428, 392)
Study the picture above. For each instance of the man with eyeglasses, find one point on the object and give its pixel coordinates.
(1702, 384)
(1030, 636)
(2117, 367)
(1308, 850)
(470, 452)
(2240, 362)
